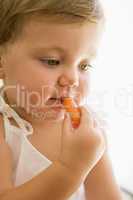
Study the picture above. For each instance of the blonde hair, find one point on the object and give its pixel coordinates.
(13, 14)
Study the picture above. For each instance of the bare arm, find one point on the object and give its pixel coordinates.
(100, 184)
(56, 182)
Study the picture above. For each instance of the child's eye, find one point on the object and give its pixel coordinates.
(85, 67)
(50, 62)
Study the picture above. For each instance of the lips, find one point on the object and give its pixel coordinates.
(55, 99)
(58, 101)
(55, 102)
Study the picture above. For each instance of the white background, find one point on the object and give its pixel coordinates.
(112, 86)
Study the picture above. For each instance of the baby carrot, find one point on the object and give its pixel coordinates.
(73, 110)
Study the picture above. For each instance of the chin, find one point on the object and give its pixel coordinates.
(55, 116)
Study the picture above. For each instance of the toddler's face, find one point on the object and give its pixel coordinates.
(49, 60)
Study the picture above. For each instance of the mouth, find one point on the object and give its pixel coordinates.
(59, 100)
(55, 102)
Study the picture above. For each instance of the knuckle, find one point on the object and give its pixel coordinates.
(83, 109)
(101, 142)
(98, 140)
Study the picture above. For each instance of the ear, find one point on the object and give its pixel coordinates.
(2, 75)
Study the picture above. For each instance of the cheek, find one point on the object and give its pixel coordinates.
(28, 74)
(27, 85)
(84, 89)
(85, 85)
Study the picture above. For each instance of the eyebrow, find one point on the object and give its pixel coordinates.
(92, 54)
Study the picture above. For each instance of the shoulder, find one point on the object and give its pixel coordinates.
(2, 131)
(6, 161)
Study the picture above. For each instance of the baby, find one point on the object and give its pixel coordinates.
(46, 51)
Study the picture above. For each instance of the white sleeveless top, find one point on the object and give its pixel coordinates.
(27, 160)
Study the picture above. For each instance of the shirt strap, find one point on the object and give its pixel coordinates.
(8, 112)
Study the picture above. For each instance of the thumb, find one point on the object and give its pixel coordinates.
(67, 125)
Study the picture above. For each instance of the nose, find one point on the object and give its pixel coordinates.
(69, 77)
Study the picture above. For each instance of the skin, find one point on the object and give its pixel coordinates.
(21, 65)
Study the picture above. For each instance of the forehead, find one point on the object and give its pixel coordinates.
(42, 33)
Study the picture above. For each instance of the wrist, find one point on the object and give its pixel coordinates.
(69, 173)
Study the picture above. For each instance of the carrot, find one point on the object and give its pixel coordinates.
(73, 110)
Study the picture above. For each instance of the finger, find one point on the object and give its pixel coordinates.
(67, 125)
(96, 120)
(102, 130)
(89, 109)
(86, 118)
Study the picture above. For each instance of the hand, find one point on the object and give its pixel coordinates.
(82, 147)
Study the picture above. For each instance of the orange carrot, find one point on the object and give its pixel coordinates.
(73, 110)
